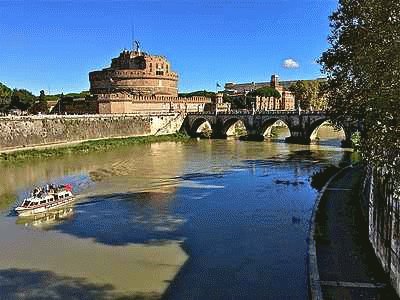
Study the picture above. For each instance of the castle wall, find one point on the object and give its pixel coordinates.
(145, 83)
(19, 132)
(120, 103)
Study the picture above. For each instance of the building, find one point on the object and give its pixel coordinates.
(218, 105)
(137, 82)
(285, 102)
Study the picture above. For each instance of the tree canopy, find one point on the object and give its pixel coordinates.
(309, 94)
(5, 97)
(22, 99)
(363, 69)
(25, 100)
(265, 92)
(198, 94)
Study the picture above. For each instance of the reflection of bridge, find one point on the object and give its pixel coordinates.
(301, 125)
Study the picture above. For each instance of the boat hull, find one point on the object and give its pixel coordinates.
(26, 212)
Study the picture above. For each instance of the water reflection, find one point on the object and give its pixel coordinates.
(47, 220)
(196, 220)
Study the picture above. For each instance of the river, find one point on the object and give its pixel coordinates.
(204, 219)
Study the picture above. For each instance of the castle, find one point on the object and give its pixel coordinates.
(137, 82)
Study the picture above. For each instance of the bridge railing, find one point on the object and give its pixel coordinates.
(260, 112)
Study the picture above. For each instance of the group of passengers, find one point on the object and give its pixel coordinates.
(41, 191)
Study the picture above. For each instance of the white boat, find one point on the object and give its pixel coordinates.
(43, 200)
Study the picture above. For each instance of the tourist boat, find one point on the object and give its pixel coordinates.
(45, 199)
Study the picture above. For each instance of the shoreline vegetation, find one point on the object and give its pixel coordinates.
(86, 147)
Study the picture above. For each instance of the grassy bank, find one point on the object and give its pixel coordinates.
(86, 147)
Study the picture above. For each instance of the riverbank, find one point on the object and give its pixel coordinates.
(345, 264)
(49, 151)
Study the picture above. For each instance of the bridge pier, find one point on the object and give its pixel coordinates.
(298, 140)
(347, 143)
(253, 137)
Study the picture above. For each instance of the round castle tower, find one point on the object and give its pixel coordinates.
(137, 73)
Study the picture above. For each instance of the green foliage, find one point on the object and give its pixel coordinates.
(198, 94)
(310, 94)
(40, 106)
(237, 102)
(5, 91)
(82, 94)
(5, 97)
(265, 92)
(6, 200)
(363, 68)
(22, 99)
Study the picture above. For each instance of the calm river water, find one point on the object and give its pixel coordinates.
(209, 219)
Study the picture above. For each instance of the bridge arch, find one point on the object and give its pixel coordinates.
(266, 127)
(312, 131)
(197, 124)
(228, 123)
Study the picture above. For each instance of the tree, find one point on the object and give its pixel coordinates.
(5, 97)
(198, 94)
(22, 99)
(309, 94)
(363, 69)
(265, 92)
(40, 106)
(237, 102)
(299, 91)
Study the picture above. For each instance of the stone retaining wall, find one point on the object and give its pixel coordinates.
(28, 131)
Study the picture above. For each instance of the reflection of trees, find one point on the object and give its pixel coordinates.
(319, 178)
(143, 166)
(6, 200)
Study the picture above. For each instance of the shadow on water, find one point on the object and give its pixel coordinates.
(121, 219)
(29, 284)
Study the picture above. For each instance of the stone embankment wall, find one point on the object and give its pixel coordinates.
(384, 222)
(29, 131)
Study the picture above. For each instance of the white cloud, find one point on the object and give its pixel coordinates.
(290, 63)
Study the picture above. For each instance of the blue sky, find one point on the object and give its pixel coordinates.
(52, 45)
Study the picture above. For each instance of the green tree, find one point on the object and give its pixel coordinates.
(237, 102)
(309, 94)
(265, 92)
(5, 97)
(299, 90)
(22, 99)
(363, 69)
(198, 94)
(41, 105)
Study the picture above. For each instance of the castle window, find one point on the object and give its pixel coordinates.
(160, 70)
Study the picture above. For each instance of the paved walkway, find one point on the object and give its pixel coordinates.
(348, 268)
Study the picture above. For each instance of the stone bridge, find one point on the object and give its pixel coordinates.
(302, 126)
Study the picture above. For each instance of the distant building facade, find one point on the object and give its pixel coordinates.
(137, 82)
(218, 105)
(285, 102)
